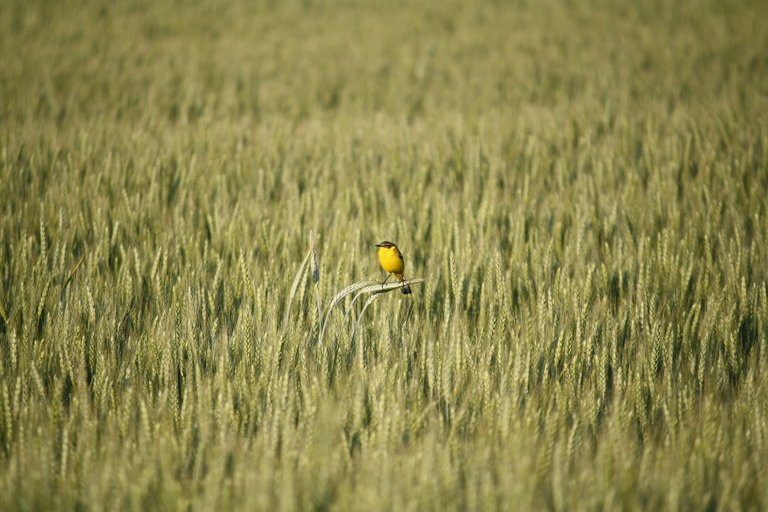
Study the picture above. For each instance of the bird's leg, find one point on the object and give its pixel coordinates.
(385, 281)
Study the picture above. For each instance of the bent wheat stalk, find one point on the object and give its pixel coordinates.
(361, 288)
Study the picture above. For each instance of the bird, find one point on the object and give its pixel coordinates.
(391, 260)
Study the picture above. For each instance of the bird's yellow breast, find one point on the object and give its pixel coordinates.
(391, 260)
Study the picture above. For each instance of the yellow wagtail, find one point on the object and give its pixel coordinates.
(392, 262)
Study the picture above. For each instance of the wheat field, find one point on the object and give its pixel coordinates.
(185, 186)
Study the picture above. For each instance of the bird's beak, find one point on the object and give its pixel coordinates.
(378, 245)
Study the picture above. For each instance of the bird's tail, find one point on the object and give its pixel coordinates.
(405, 290)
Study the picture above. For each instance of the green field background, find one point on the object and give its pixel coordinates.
(583, 186)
